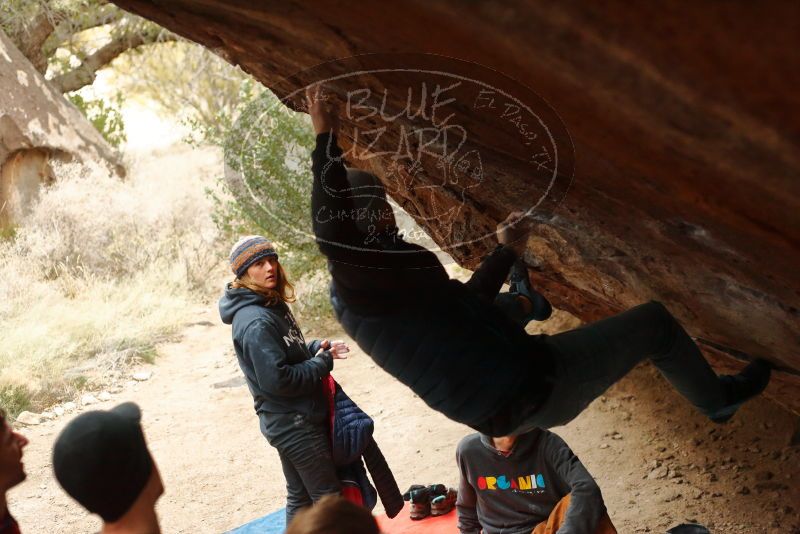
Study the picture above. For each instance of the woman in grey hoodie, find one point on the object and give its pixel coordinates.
(283, 372)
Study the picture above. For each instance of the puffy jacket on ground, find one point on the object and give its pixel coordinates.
(351, 436)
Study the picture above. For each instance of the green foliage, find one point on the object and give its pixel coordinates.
(267, 183)
(185, 81)
(267, 190)
(14, 398)
(106, 117)
(147, 353)
(8, 233)
(80, 382)
(15, 14)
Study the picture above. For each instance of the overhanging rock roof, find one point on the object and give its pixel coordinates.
(683, 117)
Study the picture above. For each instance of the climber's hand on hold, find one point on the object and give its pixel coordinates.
(512, 231)
(323, 110)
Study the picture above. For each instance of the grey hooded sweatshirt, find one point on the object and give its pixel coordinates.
(282, 372)
(512, 494)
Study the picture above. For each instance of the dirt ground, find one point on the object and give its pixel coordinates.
(657, 461)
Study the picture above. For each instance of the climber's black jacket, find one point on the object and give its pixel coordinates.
(441, 337)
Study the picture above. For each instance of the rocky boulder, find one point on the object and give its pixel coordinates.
(38, 125)
(681, 116)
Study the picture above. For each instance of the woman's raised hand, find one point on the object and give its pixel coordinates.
(337, 348)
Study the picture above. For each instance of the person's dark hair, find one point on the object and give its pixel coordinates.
(334, 515)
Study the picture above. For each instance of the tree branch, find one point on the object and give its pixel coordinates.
(86, 72)
(68, 28)
(32, 37)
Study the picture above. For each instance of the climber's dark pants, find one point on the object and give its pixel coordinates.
(593, 357)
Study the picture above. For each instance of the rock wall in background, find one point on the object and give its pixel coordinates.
(683, 116)
(38, 125)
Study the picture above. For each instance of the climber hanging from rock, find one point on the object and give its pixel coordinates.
(462, 347)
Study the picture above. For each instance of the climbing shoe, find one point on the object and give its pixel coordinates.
(420, 498)
(443, 499)
(742, 387)
(520, 283)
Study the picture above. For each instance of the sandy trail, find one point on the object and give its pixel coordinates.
(657, 461)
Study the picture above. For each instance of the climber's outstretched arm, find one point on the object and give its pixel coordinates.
(331, 206)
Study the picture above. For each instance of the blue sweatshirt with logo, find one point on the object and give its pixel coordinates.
(512, 494)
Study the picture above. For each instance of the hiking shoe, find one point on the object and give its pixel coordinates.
(420, 498)
(414, 487)
(520, 283)
(443, 499)
(742, 387)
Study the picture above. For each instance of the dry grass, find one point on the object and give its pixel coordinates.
(103, 267)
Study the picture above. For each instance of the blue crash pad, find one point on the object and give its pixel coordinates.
(274, 523)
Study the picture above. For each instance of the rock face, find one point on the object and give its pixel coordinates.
(685, 184)
(38, 125)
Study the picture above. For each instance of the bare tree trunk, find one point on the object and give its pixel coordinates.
(87, 71)
(30, 41)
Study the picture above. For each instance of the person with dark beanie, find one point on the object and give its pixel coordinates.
(455, 348)
(102, 461)
(283, 372)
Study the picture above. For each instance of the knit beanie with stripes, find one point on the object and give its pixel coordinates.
(249, 250)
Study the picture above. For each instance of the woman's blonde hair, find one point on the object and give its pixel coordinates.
(283, 292)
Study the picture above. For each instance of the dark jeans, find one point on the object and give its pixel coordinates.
(590, 359)
(305, 453)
